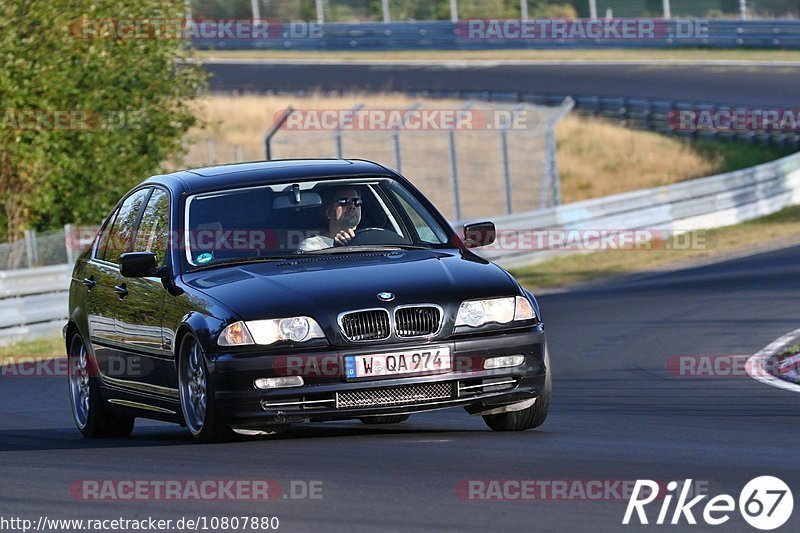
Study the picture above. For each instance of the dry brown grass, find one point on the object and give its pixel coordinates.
(598, 158)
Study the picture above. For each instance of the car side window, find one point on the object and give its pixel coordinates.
(153, 232)
(102, 239)
(120, 240)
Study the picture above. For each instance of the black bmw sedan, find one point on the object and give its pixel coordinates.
(244, 298)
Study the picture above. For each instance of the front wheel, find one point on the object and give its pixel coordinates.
(197, 395)
(92, 417)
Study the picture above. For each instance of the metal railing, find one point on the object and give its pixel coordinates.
(375, 36)
(704, 203)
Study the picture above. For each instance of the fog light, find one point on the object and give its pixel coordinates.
(279, 383)
(503, 362)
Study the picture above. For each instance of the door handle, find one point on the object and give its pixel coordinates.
(89, 282)
(121, 291)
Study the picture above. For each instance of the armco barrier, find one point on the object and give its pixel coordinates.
(703, 203)
(33, 302)
(439, 35)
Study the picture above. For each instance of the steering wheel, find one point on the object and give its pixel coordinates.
(364, 230)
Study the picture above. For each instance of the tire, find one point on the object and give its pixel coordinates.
(533, 416)
(197, 395)
(92, 417)
(388, 419)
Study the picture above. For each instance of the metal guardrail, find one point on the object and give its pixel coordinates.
(641, 113)
(703, 203)
(439, 35)
(33, 302)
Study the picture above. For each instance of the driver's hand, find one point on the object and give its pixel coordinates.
(344, 237)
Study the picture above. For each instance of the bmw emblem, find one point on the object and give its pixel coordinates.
(385, 296)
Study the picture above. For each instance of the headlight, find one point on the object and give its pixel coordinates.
(265, 332)
(475, 313)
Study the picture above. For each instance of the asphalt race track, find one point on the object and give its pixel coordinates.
(767, 85)
(617, 415)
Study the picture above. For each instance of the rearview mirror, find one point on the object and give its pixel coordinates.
(301, 200)
(479, 234)
(138, 265)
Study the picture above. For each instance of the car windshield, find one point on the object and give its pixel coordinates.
(291, 219)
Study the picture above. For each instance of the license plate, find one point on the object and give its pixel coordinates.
(420, 361)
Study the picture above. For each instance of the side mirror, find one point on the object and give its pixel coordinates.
(138, 265)
(479, 234)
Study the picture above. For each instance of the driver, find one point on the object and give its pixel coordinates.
(343, 212)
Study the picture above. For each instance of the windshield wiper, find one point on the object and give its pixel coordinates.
(364, 248)
(243, 261)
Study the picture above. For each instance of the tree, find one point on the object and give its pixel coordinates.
(84, 117)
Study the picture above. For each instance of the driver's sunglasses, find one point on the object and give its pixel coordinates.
(344, 201)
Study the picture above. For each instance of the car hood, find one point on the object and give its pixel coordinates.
(324, 286)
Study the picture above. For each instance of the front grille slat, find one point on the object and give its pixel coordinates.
(366, 325)
(417, 321)
(409, 394)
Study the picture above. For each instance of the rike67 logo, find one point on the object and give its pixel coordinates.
(765, 503)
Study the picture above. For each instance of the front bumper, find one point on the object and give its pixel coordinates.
(328, 395)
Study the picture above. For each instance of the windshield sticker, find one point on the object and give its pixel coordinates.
(202, 259)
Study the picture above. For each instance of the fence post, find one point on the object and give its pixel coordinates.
(30, 247)
(667, 10)
(398, 158)
(320, 12)
(70, 241)
(523, 9)
(454, 175)
(454, 11)
(272, 131)
(387, 14)
(593, 9)
(212, 151)
(743, 9)
(506, 169)
(551, 153)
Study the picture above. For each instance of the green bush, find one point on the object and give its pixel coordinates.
(129, 99)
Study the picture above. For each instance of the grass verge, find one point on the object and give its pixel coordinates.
(44, 347)
(780, 228)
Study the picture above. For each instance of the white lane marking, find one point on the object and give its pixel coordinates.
(756, 365)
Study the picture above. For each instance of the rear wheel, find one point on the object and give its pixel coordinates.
(389, 419)
(533, 416)
(93, 418)
(197, 395)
